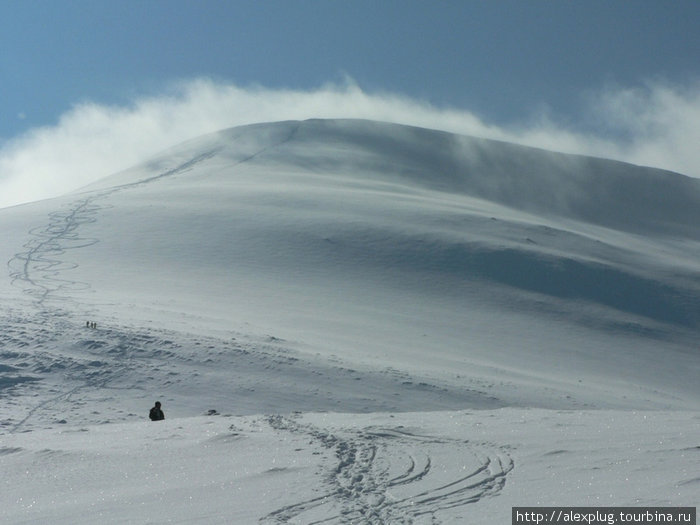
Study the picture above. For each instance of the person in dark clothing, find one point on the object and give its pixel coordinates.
(156, 413)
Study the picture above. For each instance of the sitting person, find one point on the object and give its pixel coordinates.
(156, 413)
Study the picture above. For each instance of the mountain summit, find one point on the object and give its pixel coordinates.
(466, 262)
(599, 191)
(438, 328)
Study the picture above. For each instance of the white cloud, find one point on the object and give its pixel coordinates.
(657, 125)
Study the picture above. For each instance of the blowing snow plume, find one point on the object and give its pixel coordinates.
(350, 320)
(656, 125)
(387, 246)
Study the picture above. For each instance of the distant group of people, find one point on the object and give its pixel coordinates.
(156, 413)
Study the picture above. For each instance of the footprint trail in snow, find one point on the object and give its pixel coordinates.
(394, 475)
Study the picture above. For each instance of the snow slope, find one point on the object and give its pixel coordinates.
(418, 312)
(454, 467)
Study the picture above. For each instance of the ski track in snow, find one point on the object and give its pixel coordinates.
(67, 363)
(69, 366)
(42, 274)
(53, 368)
(86, 375)
(40, 270)
(394, 475)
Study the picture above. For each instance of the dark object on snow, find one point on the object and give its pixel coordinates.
(156, 414)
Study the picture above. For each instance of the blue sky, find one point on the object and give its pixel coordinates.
(515, 66)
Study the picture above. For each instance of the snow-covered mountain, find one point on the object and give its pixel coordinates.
(365, 301)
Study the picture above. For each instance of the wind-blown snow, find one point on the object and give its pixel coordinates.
(433, 323)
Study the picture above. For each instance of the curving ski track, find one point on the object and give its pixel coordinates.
(42, 272)
(40, 269)
(395, 475)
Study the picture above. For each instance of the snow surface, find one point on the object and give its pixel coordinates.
(388, 325)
